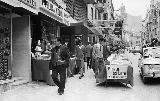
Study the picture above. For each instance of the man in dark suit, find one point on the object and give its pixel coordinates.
(106, 50)
(88, 55)
(60, 61)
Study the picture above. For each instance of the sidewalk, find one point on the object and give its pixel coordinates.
(39, 91)
(35, 91)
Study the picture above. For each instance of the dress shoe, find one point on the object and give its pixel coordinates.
(71, 75)
(61, 92)
(81, 76)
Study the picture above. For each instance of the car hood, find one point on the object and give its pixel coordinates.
(120, 62)
(120, 59)
(151, 60)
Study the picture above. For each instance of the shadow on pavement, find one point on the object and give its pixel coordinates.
(113, 84)
(153, 81)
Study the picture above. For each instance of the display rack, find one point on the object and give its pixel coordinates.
(3, 67)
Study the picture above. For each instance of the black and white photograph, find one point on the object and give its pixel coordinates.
(79, 50)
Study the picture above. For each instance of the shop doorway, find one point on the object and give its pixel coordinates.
(21, 47)
(68, 35)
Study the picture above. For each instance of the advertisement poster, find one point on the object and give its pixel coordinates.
(116, 72)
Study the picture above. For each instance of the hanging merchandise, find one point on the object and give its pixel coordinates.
(4, 52)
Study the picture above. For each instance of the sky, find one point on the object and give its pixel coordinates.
(133, 7)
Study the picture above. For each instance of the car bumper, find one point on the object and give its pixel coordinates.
(152, 74)
(135, 51)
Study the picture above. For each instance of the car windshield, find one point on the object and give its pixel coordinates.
(154, 52)
(151, 66)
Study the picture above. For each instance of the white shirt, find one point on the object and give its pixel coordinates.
(97, 51)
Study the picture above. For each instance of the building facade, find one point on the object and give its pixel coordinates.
(23, 23)
(152, 21)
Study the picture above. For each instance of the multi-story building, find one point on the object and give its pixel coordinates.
(143, 35)
(104, 17)
(120, 25)
(98, 16)
(135, 39)
(152, 21)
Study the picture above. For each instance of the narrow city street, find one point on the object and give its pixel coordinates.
(85, 89)
(40, 36)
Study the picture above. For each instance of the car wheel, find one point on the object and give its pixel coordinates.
(144, 80)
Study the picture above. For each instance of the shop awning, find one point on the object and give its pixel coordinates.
(90, 1)
(74, 22)
(20, 6)
(14, 3)
(79, 23)
(33, 10)
(98, 31)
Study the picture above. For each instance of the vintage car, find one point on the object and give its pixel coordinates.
(136, 49)
(149, 63)
(149, 68)
(119, 69)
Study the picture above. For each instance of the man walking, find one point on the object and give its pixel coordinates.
(88, 55)
(98, 56)
(60, 61)
(80, 58)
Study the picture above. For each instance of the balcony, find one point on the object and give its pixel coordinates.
(90, 1)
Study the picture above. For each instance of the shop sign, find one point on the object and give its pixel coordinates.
(116, 72)
(31, 3)
(48, 5)
(53, 8)
(61, 3)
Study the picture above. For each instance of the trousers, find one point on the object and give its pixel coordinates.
(88, 62)
(99, 62)
(61, 70)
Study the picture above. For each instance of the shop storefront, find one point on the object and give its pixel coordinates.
(15, 38)
(48, 23)
(22, 24)
(21, 38)
(74, 31)
(49, 20)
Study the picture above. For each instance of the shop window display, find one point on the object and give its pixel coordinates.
(44, 45)
(5, 45)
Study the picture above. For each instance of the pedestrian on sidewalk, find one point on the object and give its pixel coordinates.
(79, 58)
(92, 59)
(98, 56)
(69, 72)
(83, 48)
(88, 55)
(60, 62)
(106, 50)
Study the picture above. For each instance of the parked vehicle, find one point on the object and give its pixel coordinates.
(136, 49)
(119, 69)
(149, 63)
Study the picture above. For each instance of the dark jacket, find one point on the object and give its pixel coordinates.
(106, 51)
(64, 56)
(88, 50)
